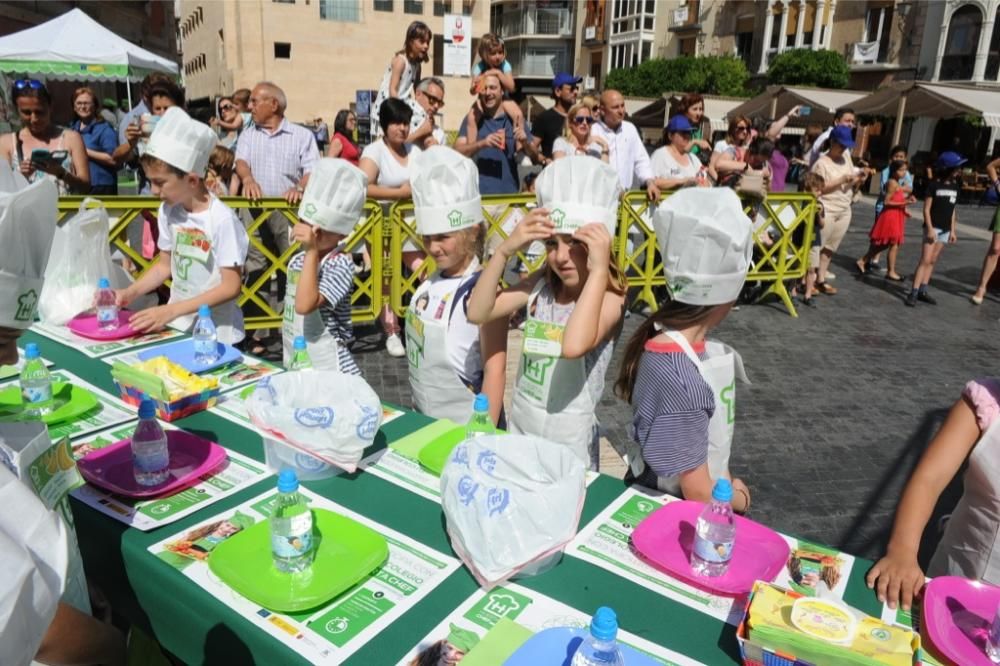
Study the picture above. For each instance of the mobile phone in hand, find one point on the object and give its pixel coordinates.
(805, 110)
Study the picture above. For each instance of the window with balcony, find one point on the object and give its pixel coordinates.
(687, 46)
(993, 56)
(647, 22)
(959, 59)
(340, 10)
(878, 23)
(382, 5)
(413, 7)
(647, 49)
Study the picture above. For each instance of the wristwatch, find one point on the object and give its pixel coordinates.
(300, 189)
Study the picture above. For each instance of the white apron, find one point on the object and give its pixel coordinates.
(970, 546)
(320, 343)
(719, 370)
(437, 389)
(193, 271)
(551, 399)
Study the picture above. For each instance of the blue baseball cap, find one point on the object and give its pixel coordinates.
(842, 135)
(949, 160)
(679, 123)
(563, 79)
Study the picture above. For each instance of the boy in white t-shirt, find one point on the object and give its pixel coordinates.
(202, 243)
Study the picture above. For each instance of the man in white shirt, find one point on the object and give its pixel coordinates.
(843, 116)
(627, 154)
(430, 95)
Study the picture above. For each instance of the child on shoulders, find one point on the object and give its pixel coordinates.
(492, 61)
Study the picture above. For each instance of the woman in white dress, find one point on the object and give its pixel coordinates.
(674, 165)
(403, 74)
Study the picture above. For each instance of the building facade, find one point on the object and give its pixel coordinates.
(964, 44)
(321, 52)
(540, 35)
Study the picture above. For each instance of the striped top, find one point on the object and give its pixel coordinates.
(672, 407)
(336, 282)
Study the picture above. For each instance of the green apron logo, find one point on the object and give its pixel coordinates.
(536, 369)
(26, 303)
(727, 397)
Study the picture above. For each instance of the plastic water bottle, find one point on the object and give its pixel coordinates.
(600, 648)
(107, 306)
(206, 339)
(480, 424)
(291, 526)
(993, 639)
(715, 533)
(300, 357)
(150, 453)
(36, 383)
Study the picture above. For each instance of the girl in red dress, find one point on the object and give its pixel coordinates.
(888, 229)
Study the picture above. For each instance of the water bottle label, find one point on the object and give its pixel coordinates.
(204, 346)
(36, 394)
(151, 462)
(106, 315)
(298, 540)
(713, 551)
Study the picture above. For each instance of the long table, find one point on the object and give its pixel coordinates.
(197, 628)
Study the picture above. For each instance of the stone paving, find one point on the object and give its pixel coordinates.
(844, 399)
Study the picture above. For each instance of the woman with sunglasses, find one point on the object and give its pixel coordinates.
(64, 154)
(577, 138)
(100, 139)
(732, 149)
(342, 143)
(674, 164)
(228, 114)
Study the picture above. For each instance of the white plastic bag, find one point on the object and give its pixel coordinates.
(512, 502)
(329, 414)
(80, 256)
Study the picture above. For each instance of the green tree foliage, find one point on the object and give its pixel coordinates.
(710, 75)
(804, 67)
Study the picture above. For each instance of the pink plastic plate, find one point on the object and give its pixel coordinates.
(191, 456)
(957, 613)
(85, 325)
(664, 539)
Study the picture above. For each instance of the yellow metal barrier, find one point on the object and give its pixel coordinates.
(789, 216)
(366, 299)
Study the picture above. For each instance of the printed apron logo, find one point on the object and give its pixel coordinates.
(536, 369)
(26, 303)
(727, 397)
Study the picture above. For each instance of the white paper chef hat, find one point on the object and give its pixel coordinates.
(182, 142)
(706, 243)
(445, 187)
(27, 223)
(334, 199)
(578, 190)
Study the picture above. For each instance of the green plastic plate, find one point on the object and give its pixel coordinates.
(435, 455)
(70, 401)
(346, 552)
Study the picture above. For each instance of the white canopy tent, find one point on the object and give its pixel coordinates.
(779, 100)
(931, 100)
(75, 47)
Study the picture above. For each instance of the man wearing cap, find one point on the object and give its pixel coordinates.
(273, 159)
(682, 386)
(550, 124)
(202, 243)
(321, 279)
(36, 547)
(628, 154)
(496, 144)
(450, 359)
(843, 117)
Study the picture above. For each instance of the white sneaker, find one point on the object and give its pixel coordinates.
(394, 346)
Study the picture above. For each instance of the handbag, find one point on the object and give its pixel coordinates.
(751, 184)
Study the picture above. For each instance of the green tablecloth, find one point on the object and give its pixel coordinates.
(197, 628)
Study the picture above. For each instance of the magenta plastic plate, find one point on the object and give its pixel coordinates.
(85, 325)
(957, 615)
(665, 537)
(191, 456)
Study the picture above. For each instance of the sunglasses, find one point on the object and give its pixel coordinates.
(226, 107)
(436, 101)
(742, 128)
(579, 120)
(34, 84)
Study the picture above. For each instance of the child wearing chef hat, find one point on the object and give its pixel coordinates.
(682, 386)
(202, 243)
(320, 278)
(451, 359)
(574, 305)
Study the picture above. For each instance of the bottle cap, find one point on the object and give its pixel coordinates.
(604, 624)
(31, 351)
(103, 284)
(722, 491)
(147, 409)
(287, 481)
(204, 311)
(300, 343)
(481, 404)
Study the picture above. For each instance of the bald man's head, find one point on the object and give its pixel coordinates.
(267, 104)
(612, 108)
